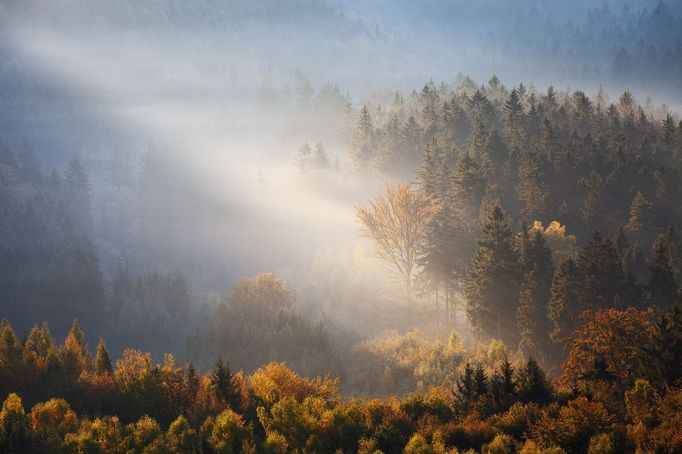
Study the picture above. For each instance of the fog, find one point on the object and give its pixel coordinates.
(223, 94)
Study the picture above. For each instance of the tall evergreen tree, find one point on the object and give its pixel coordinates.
(565, 305)
(535, 292)
(224, 385)
(663, 290)
(602, 273)
(363, 140)
(532, 190)
(491, 286)
(467, 191)
(102, 359)
(513, 118)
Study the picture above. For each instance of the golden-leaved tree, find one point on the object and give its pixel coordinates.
(397, 223)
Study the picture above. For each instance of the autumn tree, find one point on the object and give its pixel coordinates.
(615, 345)
(397, 224)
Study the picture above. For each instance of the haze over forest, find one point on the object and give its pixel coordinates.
(471, 206)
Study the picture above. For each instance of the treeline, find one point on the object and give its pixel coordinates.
(618, 393)
(548, 204)
(51, 258)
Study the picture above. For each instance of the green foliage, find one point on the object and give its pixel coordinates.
(492, 279)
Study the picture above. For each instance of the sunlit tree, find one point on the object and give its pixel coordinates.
(397, 223)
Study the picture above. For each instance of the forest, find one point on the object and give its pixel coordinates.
(538, 231)
(268, 227)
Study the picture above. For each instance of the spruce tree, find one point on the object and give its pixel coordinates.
(502, 383)
(534, 296)
(224, 385)
(532, 383)
(320, 157)
(663, 290)
(513, 118)
(491, 285)
(565, 304)
(602, 273)
(640, 218)
(673, 250)
(465, 385)
(466, 192)
(102, 359)
(532, 190)
(362, 141)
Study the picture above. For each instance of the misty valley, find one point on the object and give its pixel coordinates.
(274, 227)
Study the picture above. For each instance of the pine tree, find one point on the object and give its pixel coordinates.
(478, 143)
(465, 385)
(467, 191)
(389, 157)
(534, 296)
(502, 384)
(480, 382)
(663, 290)
(303, 159)
(669, 344)
(362, 142)
(640, 218)
(74, 356)
(412, 141)
(532, 384)
(602, 273)
(669, 130)
(491, 285)
(320, 157)
(102, 359)
(531, 187)
(513, 118)
(625, 252)
(565, 305)
(224, 385)
(673, 250)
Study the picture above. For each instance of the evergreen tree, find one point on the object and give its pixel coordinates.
(532, 384)
(362, 142)
(502, 383)
(602, 273)
(412, 141)
(467, 191)
(480, 382)
(625, 252)
(491, 286)
(320, 157)
(663, 290)
(304, 158)
(389, 157)
(513, 118)
(669, 344)
(565, 305)
(534, 296)
(224, 385)
(532, 190)
(465, 385)
(673, 250)
(102, 359)
(640, 218)
(74, 355)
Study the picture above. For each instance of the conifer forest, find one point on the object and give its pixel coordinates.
(341, 226)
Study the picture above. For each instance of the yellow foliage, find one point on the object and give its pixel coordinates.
(276, 381)
(561, 245)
